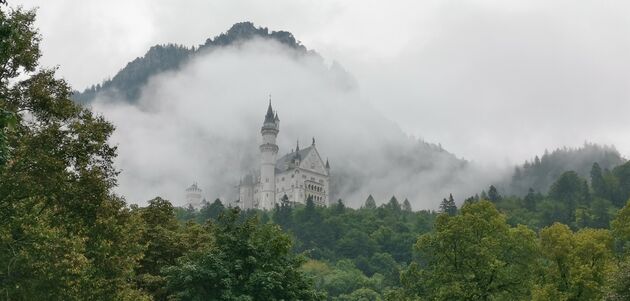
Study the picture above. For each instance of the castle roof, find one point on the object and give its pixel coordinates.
(269, 117)
(283, 163)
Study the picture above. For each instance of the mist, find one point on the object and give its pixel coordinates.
(202, 122)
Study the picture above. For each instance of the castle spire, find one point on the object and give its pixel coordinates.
(313, 140)
(269, 117)
(327, 165)
(297, 147)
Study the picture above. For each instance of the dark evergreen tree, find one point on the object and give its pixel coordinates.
(370, 203)
(530, 200)
(407, 206)
(394, 205)
(493, 194)
(448, 206)
(597, 182)
(339, 207)
(211, 211)
(283, 213)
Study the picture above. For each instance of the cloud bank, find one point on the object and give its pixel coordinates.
(202, 124)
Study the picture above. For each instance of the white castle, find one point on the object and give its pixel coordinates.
(293, 178)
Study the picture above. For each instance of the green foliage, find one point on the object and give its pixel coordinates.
(370, 203)
(620, 288)
(621, 187)
(7, 122)
(621, 227)
(250, 261)
(448, 206)
(211, 211)
(342, 279)
(65, 236)
(576, 265)
(540, 173)
(475, 255)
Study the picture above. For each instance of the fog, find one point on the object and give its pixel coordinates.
(495, 82)
(202, 124)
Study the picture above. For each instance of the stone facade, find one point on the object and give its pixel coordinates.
(294, 177)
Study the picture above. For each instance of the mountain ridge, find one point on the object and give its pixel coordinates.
(126, 84)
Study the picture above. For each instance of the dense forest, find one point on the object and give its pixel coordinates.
(64, 234)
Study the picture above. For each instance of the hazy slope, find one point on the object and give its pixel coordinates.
(194, 114)
(542, 171)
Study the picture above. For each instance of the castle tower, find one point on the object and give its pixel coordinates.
(268, 154)
(193, 195)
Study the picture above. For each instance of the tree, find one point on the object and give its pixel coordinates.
(393, 205)
(493, 194)
(620, 288)
(407, 206)
(622, 175)
(530, 200)
(282, 214)
(250, 261)
(64, 234)
(472, 256)
(576, 265)
(621, 227)
(211, 211)
(597, 182)
(448, 206)
(7, 122)
(339, 208)
(570, 190)
(370, 203)
(161, 235)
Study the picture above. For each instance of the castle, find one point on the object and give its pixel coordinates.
(293, 178)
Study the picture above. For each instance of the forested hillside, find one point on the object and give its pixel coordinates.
(392, 252)
(126, 85)
(540, 173)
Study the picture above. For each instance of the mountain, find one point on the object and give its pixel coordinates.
(542, 171)
(214, 143)
(127, 83)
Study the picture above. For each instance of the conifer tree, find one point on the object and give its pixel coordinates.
(448, 206)
(370, 203)
(493, 194)
(407, 206)
(597, 181)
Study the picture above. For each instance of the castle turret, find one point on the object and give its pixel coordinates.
(193, 196)
(268, 152)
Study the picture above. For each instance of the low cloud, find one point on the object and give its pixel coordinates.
(202, 124)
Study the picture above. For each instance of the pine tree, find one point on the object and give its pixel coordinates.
(407, 206)
(393, 204)
(370, 203)
(530, 200)
(597, 181)
(448, 206)
(493, 194)
(339, 208)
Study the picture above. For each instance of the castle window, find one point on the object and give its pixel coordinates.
(292, 176)
(321, 181)
(282, 178)
(312, 179)
(267, 180)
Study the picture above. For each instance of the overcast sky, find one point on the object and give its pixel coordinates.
(492, 81)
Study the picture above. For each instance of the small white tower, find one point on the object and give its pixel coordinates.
(268, 152)
(193, 196)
